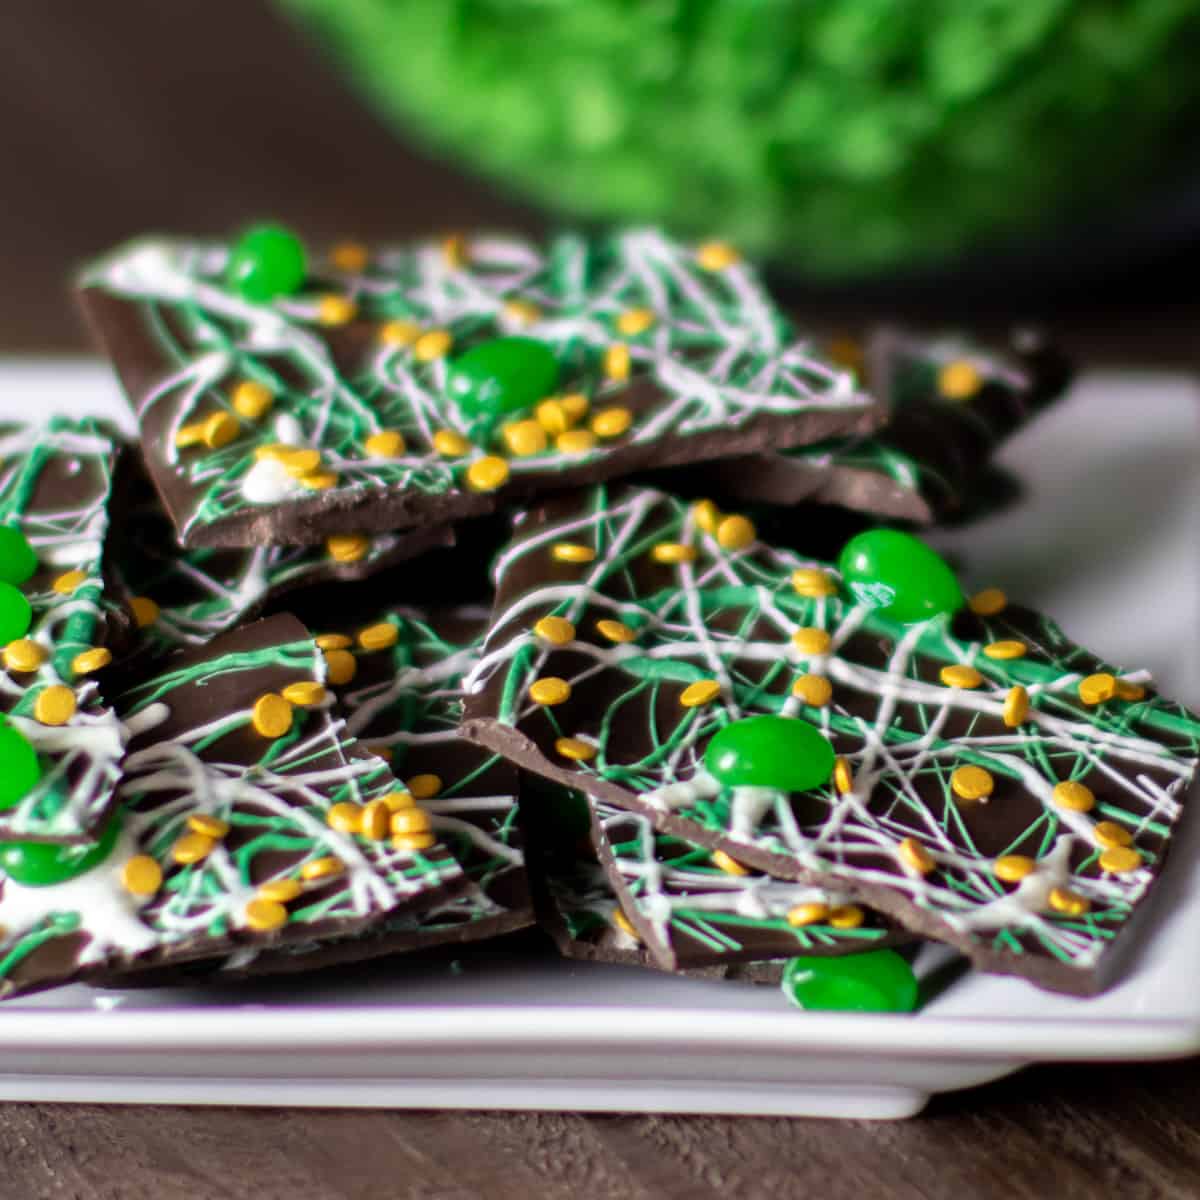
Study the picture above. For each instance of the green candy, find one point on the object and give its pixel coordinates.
(769, 751)
(874, 981)
(266, 261)
(15, 614)
(19, 768)
(43, 864)
(17, 559)
(502, 376)
(899, 574)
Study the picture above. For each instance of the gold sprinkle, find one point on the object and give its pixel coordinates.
(843, 775)
(265, 915)
(716, 256)
(729, 865)
(432, 345)
(349, 256)
(673, 552)
(914, 856)
(187, 436)
(558, 631)
(1120, 860)
(575, 748)
(575, 441)
(572, 552)
(812, 583)
(333, 641)
(387, 443)
(399, 332)
(811, 641)
(1109, 833)
(622, 922)
(1130, 691)
(455, 251)
(304, 693)
(413, 841)
(617, 363)
(1016, 706)
(24, 654)
(381, 636)
(340, 666)
(1012, 868)
(219, 430)
(524, 438)
(94, 659)
(846, 916)
(208, 825)
(145, 611)
(192, 848)
(279, 890)
(706, 515)
(381, 751)
(397, 801)
(1006, 649)
(376, 820)
(409, 820)
(634, 321)
(1074, 796)
(846, 352)
(736, 533)
(252, 400)
(319, 481)
(449, 443)
(425, 786)
(1067, 902)
(271, 715)
(988, 603)
(611, 422)
(345, 817)
(809, 913)
(703, 691)
(322, 868)
(549, 690)
(575, 405)
(348, 547)
(1095, 689)
(55, 705)
(815, 690)
(66, 583)
(276, 451)
(522, 312)
(141, 875)
(615, 631)
(971, 782)
(487, 474)
(552, 417)
(959, 380)
(958, 675)
(298, 463)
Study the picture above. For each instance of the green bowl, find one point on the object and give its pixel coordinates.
(839, 137)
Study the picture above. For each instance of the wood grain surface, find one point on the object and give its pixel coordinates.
(138, 114)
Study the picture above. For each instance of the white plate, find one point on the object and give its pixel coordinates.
(1105, 539)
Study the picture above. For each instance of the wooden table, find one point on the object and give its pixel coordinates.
(193, 116)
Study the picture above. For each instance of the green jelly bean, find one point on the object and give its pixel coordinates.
(43, 864)
(17, 558)
(267, 261)
(15, 614)
(19, 767)
(899, 574)
(770, 751)
(502, 376)
(874, 981)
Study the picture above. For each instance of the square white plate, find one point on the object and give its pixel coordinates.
(1105, 539)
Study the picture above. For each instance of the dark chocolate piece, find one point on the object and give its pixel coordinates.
(997, 787)
(329, 411)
